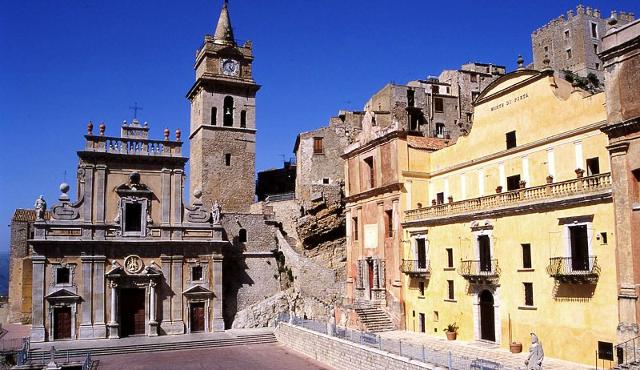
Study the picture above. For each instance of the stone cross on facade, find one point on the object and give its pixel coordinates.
(135, 109)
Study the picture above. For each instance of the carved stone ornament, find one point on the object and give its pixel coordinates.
(133, 264)
(197, 214)
(65, 210)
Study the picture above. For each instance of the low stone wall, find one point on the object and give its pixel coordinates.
(341, 354)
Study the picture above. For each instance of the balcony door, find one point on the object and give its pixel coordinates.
(484, 249)
(370, 273)
(579, 248)
(422, 253)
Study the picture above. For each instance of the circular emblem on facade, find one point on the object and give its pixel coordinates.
(133, 264)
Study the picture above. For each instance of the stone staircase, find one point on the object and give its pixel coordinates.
(375, 319)
(37, 355)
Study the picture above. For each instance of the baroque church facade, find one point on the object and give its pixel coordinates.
(130, 256)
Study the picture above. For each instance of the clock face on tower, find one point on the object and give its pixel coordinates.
(230, 67)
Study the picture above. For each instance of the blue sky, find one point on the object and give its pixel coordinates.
(63, 63)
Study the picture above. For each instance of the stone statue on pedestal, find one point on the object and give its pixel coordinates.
(41, 207)
(215, 213)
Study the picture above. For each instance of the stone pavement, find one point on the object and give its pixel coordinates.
(483, 350)
(248, 357)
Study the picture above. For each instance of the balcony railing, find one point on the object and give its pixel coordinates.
(480, 270)
(540, 194)
(574, 270)
(131, 146)
(415, 267)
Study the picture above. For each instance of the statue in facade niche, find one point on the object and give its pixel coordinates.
(215, 213)
(536, 354)
(41, 207)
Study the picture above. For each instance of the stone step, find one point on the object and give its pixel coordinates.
(156, 347)
(375, 319)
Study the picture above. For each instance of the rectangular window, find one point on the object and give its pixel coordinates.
(579, 248)
(474, 95)
(568, 53)
(440, 130)
(546, 49)
(317, 145)
(435, 89)
(411, 98)
(227, 159)
(598, 66)
(423, 327)
(603, 237)
(214, 115)
(528, 294)
(438, 104)
(325, 181)
(511, 139)
(450, 292)
(526, 255)
(593, 166)
(440, 198)
(595, 48)
(421, 246)
(196, 273)
(566, 34)
(594, 30)
(133, 217)
(513, 182)
(370, 172)
(355, 228)
(388, 219)
(474, 77)
(449, 257)
(421, 287)
(63, 275)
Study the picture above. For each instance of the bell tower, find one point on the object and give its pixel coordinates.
(223, 120)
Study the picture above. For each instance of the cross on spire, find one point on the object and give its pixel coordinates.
(135, 109)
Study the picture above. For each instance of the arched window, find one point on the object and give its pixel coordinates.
(214, 115)
(227, 119)
(242, 236)
(243, 118)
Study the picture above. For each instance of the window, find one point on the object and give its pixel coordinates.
(449, 257)
(196, 273)
(579, 247)
(440, 198)
(438, 104)
(355, 228)
(598, 66)
(243, 118)
(414, 121)
(474, 77)
(593, 166)
(370, 172)
(325, 180)
(227, 159)
(474, 95)
(421, 287)
(595, 48)
(421, 249)
(568, 53)
(469, 116)
(440, 130)
(227, 119)
(546, 49)
(133, 217)
(242, 236)
(526, 255)
(484, 251)
(511, 139)
(318, 148)
(410, 98)
(450, 292)
(435, 89)
(594, 30)
(436, 316)
(388, 219)
(214, 115)
(566, 34)
(63, 275)
(513, 182)
(423, 326)
(528, 294)
(603, 237)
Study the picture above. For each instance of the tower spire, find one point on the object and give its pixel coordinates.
(224, 31)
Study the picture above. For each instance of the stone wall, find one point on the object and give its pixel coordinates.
(20, 267)
(342, 354)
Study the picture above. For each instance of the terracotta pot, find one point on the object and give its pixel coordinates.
(451, 335)
(499, 189)
(515, 347)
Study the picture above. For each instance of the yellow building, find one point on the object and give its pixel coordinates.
(518, 235)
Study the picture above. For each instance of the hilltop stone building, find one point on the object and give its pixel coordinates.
(572, 43)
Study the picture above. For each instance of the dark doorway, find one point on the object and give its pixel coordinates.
(487, 320)
(484, 247)
(423, 327)
(62, 323)
(132, 312)
(197, 317)
(579, 248)
(370, 268)
(422, 253)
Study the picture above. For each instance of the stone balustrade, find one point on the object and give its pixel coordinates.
(133, 146)
(579, 186)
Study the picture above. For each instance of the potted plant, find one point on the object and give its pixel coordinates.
(451, 331)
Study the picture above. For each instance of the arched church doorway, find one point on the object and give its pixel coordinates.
(487, 316)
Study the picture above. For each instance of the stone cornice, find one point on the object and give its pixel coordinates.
(615, 130)
(223, 128)
(374, 192)
(375, 142)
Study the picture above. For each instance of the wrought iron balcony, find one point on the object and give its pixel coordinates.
(530, 196)
(416, 268)
(574, 270)
(480, 271)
